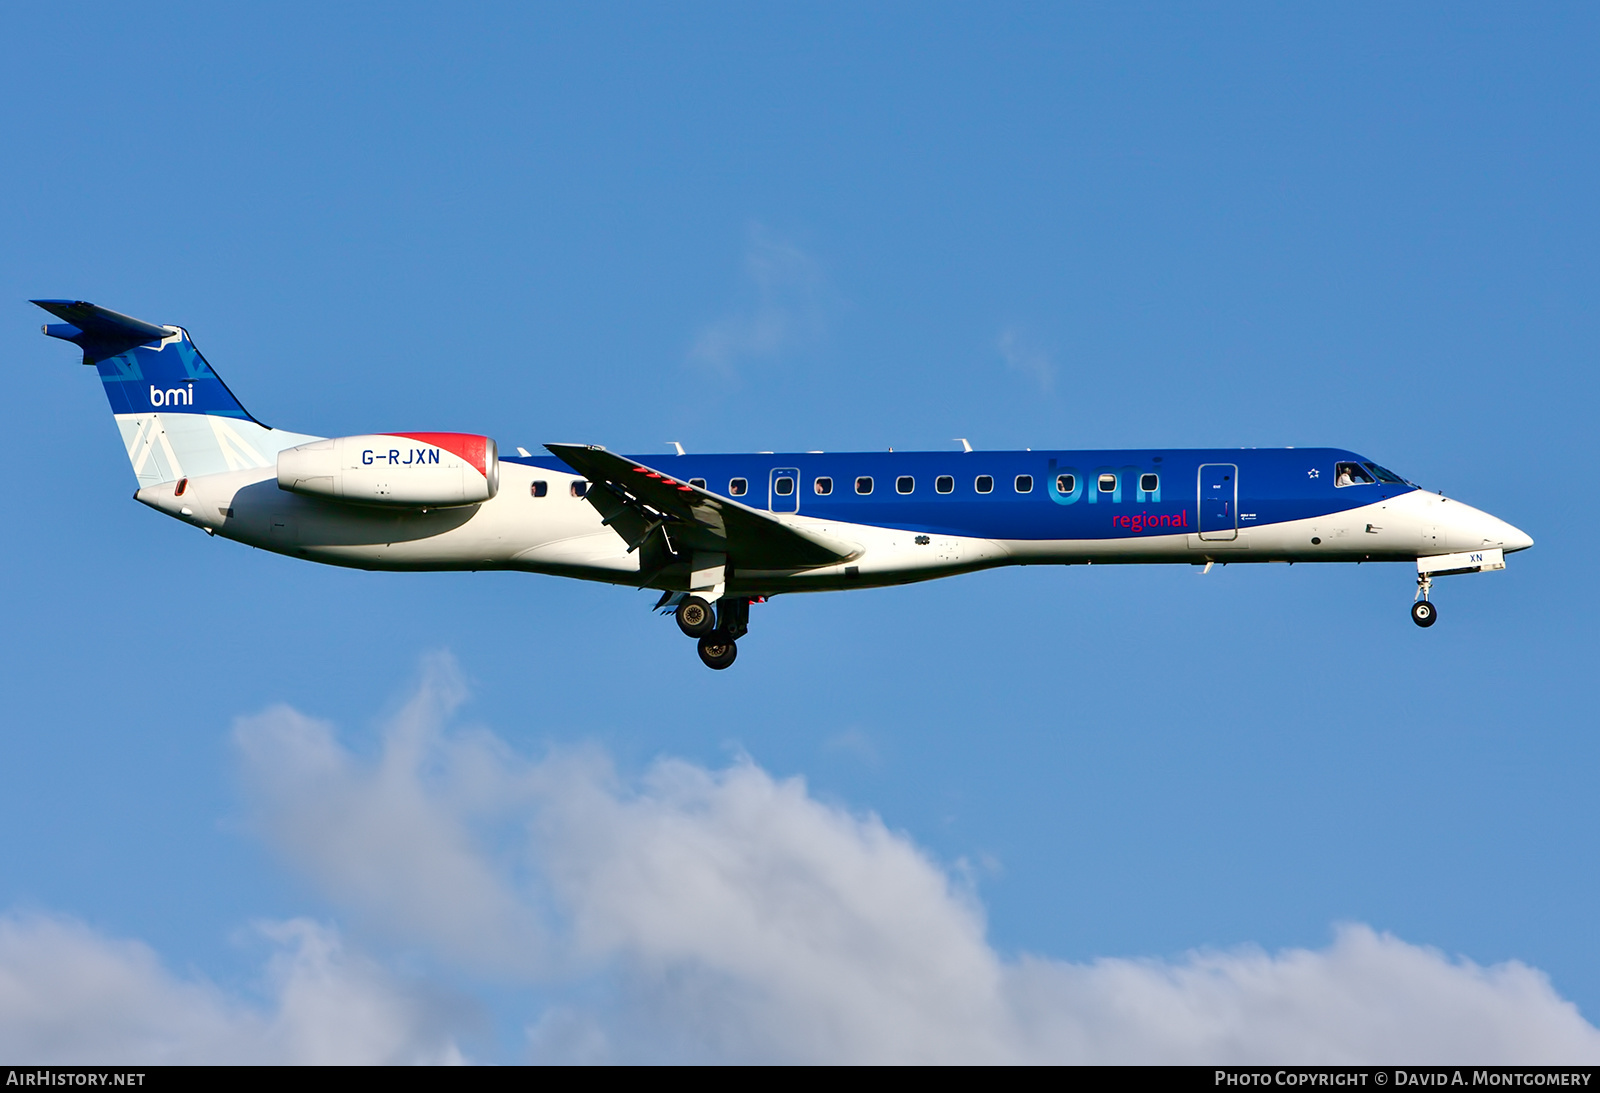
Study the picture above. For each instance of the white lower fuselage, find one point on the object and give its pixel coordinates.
(562, 534)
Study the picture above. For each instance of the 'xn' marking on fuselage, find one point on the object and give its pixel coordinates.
(392, 457)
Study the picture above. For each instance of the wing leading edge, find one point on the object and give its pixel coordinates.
(637, 502)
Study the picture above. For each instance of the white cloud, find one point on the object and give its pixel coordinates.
(730, 915)
(787, 308)
(1368, 998)
(698, 914)
(394, 839)
(69, 994)
(1022, 355)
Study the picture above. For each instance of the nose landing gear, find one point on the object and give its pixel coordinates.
(1423, 613)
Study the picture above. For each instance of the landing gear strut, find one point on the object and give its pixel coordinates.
(1423, 613)
(719, 647)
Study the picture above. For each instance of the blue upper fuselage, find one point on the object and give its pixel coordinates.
(1037, 495)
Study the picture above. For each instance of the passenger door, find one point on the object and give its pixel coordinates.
(1219, 501)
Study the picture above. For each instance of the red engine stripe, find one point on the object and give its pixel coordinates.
(469, 446)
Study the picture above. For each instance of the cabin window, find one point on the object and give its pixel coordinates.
(738, 487)
(580, 488)
(1149, 483)
(540, 487)
(944, 483)
(1108, 483)
(1024, 483)
(984, 484)
(784, 486)
(1066, 483)
(1351, 474)
(904, 484)
(698, 483)
(823, 486)
(863, 485)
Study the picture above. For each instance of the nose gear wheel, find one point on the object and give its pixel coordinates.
(1423, 613)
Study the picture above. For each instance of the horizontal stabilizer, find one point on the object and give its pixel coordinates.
(694, 518)
(98, 331)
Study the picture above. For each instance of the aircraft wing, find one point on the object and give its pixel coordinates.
(636, 501)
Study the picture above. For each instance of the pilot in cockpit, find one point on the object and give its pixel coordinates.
(1351, 474)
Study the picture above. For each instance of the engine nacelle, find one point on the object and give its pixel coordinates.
(416, 470)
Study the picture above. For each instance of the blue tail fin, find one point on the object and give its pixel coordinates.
(176, 415)
(144, 367)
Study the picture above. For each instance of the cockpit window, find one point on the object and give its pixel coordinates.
(1385, 474)
(1351, 474)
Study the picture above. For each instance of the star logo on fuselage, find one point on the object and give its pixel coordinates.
(1312, 473)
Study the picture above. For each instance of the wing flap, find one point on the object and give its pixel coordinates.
(635, 499)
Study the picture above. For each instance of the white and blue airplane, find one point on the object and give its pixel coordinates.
(715, 533)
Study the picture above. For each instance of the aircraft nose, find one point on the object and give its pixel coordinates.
(1516, 539)
(1474, 529)
(1496, 532)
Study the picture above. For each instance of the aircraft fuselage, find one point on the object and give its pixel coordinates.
(715, 532)
(913, 515)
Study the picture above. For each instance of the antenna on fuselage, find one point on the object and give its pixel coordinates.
(961, 440)
(677, 447)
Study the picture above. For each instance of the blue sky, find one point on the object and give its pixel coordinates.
(791, 227)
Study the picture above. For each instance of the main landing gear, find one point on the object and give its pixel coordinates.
(718, 651)
(1423, 613)
(695, 617)
(718, 629)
